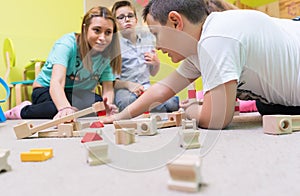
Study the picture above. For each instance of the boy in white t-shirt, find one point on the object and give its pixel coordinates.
(241, 53)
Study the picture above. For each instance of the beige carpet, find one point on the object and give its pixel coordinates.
(240, 160)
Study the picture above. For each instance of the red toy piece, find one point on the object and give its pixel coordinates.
(101, 113)
(96, 124)
(91, 136)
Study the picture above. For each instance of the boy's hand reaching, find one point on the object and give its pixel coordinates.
(136, 88)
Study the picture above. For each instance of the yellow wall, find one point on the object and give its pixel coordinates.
(33, 26)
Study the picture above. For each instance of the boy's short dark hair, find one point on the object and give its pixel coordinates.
(194, 10)
(119, 4)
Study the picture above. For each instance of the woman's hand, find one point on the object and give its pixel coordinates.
(65, 112)
(110, 108)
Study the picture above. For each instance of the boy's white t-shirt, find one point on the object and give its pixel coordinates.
(260, 52)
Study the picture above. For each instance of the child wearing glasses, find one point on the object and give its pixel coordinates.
(76, 63)
(139, 60)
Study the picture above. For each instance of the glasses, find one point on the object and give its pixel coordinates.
(123, 17)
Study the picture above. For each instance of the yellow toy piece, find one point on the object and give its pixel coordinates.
(37, 154)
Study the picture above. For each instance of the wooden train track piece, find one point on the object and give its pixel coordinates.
(26, 129)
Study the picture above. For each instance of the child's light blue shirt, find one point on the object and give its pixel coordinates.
(134, 68)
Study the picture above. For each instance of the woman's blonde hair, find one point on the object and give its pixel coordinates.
(112, 51)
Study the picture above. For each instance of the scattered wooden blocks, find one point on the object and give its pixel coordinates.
(4, 166)
(66, 130)
(185, 173)
(281, 124)
(37, 154)
(26, 129)
(125, 136)
(97, 152)
(174, 119)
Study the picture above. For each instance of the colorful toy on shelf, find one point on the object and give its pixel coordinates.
(37, 154)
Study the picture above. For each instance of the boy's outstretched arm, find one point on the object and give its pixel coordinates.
(218, 107)
(155, 95)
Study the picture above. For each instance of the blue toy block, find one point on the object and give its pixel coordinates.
(2, 117)
(3, 83)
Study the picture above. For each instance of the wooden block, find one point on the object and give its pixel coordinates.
(125, 124)
(177, 117)
(281, 124)
(4, 166)
(165, 124)
(48, 134)
(246, 118)
(189, 138)
(97, 152)
(147, 126)
(65, 130)
(37, 154)
(185, 173)
(183, 114)
(189, 124)
(77, 126)
(125, 136)
(158, 116)
(134, 123)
